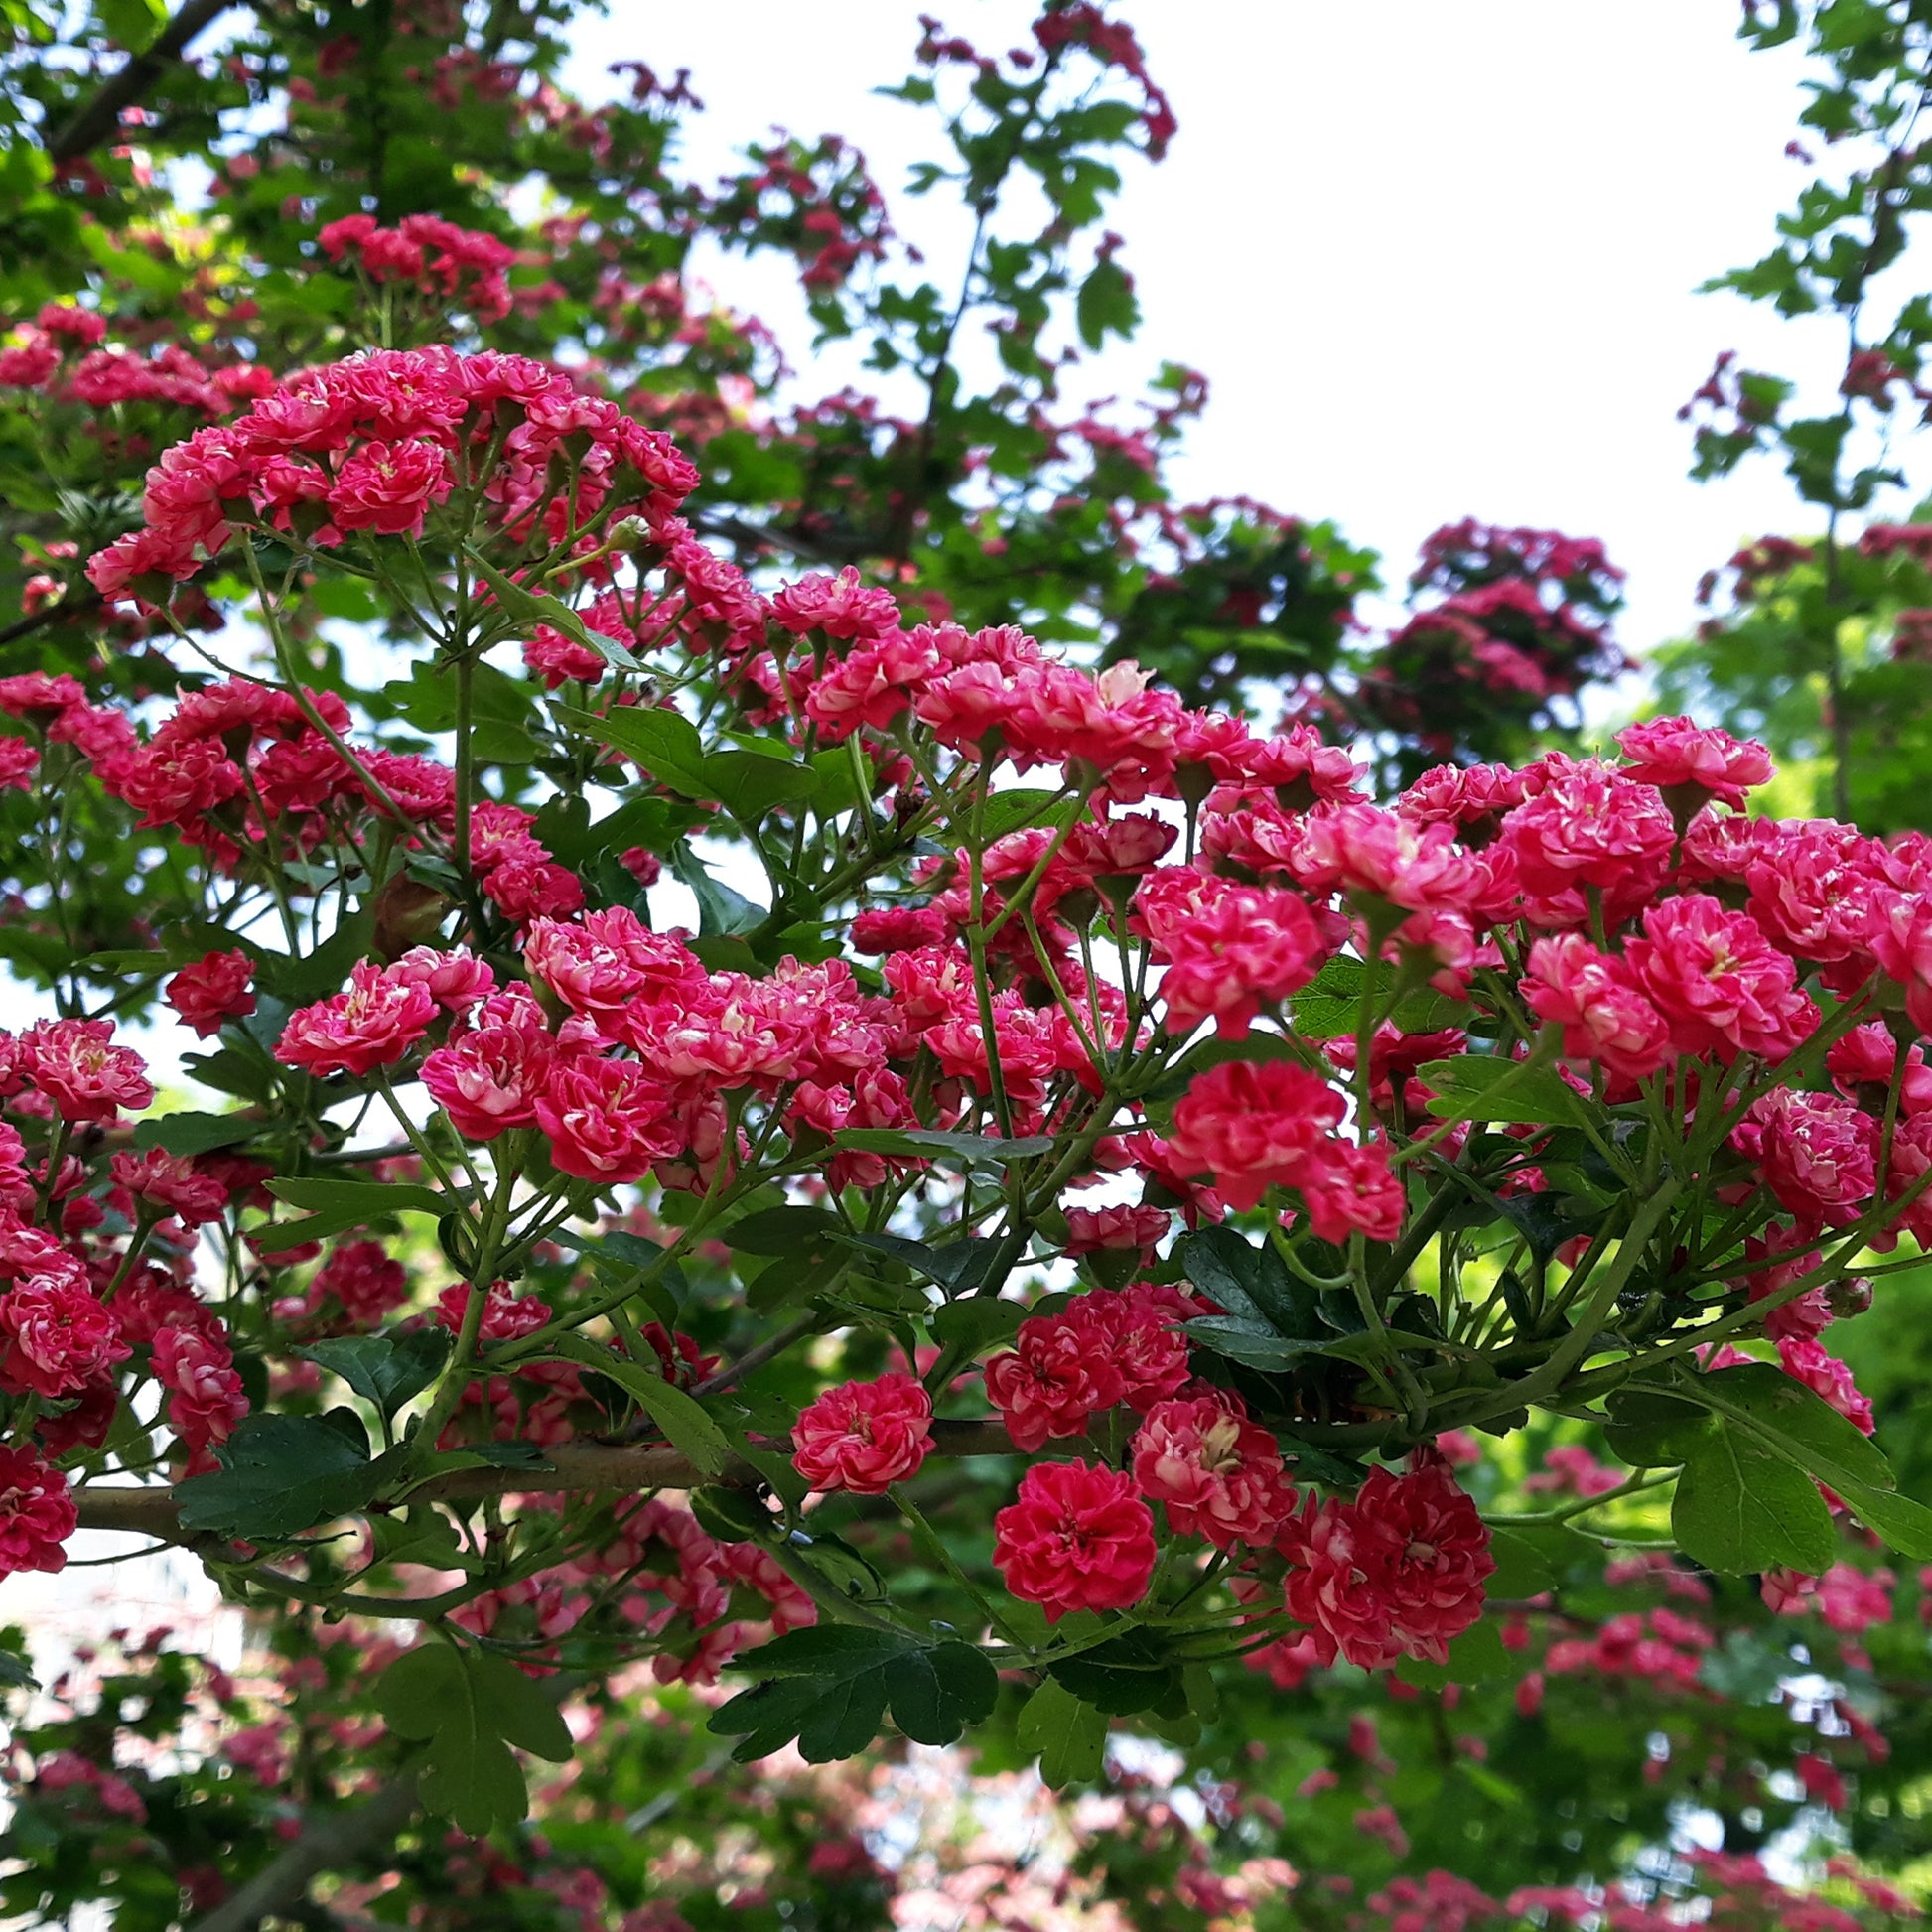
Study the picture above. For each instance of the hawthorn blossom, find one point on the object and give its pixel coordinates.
(1218, 1475)
(1077, 1539)
(864, 1436)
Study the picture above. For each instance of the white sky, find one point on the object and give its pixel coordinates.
(1435, 259)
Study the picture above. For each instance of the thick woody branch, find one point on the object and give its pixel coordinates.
(586, 1468)
(101, 118)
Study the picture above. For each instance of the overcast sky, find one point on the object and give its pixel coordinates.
(1435, 259)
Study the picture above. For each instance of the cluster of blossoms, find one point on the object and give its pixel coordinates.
(423, 250)
(64, 354)
(97, 1289)
(698, 1602)
(375, 443)
(1297, 962)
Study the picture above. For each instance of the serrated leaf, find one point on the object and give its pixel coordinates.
(1242, 1341)
(1796, 1422)
(1007, 812)
(802, 1232)
(829, 1687)
(1480, 1086)
(459, 1705)
(532, 607)
(338, 1205)
(1531, 1559)
(191, 1133)
(1069, 1737)
(935, 1694)
(1905, 1525)
(1252, 1283)
(280, 1474)
(1741, 1507)
(387, 1370)
(664, 741)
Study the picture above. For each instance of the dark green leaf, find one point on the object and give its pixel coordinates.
(279, 1474)
(681, 1418)
(194, 1132)
(1480, 1086)
(803, 1232)
(909, 1143)
(387, 1370)
(1741, 1507)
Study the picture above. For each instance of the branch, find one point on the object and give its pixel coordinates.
(332, 1842)
(102, 117)
(574, 1466)
(54, 613)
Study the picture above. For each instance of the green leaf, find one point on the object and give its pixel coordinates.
(970, 1327)
(728, 1515)
(1741, 1507)
(533, 607)
(1106, 303)
(1330, 1005)
(299, 979)
(465, 1709)
(1530, 1559)
(196, 1133)
(829, 1687)
(387, 1370)
(749, 785)
(338, 1205)
(920, 1143)
(953, 1265)
(280, 1474)
(1480, 1086)
(1651, 1429)
(520, 1709)
(1474, 1657)
(1798, 1423)
(133, 23)
(1071, 1736)
(1251, 1284)
(807, 1233)
(935, 1694)
(1014, 811)
(721, 913)
(1905, 1525)
(1242, 1341)
(1125, 1677)
(664, 741)
(681, 1418)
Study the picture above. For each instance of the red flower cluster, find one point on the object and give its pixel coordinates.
(1217, 1475)
(1107, 1347)
(864, 1436)
(1077, 1539)
(1398, 1572)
